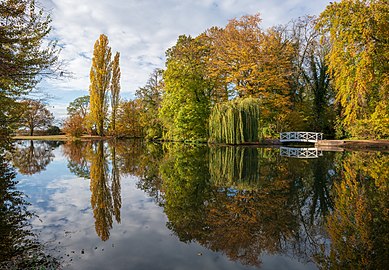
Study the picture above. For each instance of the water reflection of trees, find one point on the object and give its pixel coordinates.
(19, 247)
(230, 200)
(358, 226)
(33, 157)
(77, 153)
(135, 157)
(245, 201)
(98, 162)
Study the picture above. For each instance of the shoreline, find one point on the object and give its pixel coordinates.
(330, 145)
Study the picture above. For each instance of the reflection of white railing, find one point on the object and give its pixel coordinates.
(300, 152)
(300, 136)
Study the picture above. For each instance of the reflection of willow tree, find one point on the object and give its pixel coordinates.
(257, 215)
(358, 227)
(234, 165)
(19, 248)
(33, 158)
(77, 155)
(241, 219)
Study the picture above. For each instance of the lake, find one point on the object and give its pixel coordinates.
(137, 205)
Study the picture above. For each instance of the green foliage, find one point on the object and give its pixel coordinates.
(234, 167)
(235, 122)
(185, 175)
(24, 57)
(185, 106)
(150, 98)
(79, 106)
(377, 126)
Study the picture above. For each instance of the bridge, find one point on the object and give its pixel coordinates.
(300, 152)
(311, 137)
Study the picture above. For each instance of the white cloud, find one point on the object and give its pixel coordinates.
(143, 30)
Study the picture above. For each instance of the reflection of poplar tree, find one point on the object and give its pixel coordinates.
(117, 200)
(101, 199)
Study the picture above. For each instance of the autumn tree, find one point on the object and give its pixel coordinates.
(186, 103)
(115, 90)
(35, 116)
(78, 110)
(100, 77)
(74, 125)
(312, 95)
(252, 62)
(25, 57)
(358, 62)
(128, 119)
(150, 98)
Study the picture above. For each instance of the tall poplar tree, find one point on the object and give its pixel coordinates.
(100, 78)
(115, 90)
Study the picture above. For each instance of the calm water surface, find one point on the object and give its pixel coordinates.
(133, 205)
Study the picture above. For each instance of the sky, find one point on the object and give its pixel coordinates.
(142, 30)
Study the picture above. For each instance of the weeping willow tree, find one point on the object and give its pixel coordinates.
(234, 121)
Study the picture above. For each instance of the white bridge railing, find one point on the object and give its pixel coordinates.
(300, 152)
(300, 136)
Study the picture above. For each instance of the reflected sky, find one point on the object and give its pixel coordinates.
(65, 221)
